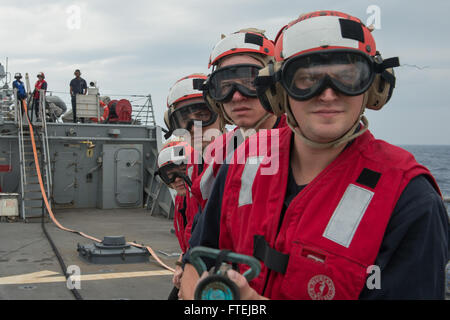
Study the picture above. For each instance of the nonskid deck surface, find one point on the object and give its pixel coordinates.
(30, 270)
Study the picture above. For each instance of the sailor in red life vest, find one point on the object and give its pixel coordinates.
(340, 203)
(40, 84)
(190, 117)
(172, 161)
(230, 91)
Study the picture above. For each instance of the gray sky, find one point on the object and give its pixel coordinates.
(143, 47)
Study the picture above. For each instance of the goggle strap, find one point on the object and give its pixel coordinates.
(199, 84)
(263, 82)
(391, 62)
(168, 134)
(386, 64)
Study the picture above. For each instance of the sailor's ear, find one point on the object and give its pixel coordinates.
(384, 83)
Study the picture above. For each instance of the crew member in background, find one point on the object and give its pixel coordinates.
(19, 85)
(105, 111)
(188, 115)
(172, 161)
(40, 84)
(341, 203)
(77, 86)
(230, 91)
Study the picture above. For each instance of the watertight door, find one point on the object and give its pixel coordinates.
(122, 176)
(128, 176)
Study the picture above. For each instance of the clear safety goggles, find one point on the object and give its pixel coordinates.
(348, 72)
(184, 117)
(224, 82)
(170, 172)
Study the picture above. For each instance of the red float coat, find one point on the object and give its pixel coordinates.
(215, 155)
(178, 222)
(331, 231)
(38, 87)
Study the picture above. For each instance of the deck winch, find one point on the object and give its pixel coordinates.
(112, 250)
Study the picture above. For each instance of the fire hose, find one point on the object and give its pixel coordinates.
(50, 212)
(217, 285)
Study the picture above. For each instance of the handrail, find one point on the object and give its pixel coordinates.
(23, 177)
(147, 110)
(45, 141)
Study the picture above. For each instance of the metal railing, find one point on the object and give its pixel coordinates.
(23, 177)
(41, 129)
(44, 133)
(144, 114)
(6, 102)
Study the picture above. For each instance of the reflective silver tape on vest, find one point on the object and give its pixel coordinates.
(190, 171)
(248, 177)
(346, 217)
(207, 182)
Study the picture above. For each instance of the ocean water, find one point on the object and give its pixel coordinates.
(437, 159)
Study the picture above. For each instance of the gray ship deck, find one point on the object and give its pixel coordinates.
(29, 269)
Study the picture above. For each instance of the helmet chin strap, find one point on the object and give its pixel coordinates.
(186, 179)
(225, 115)
(248, 132)
(348, 136)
